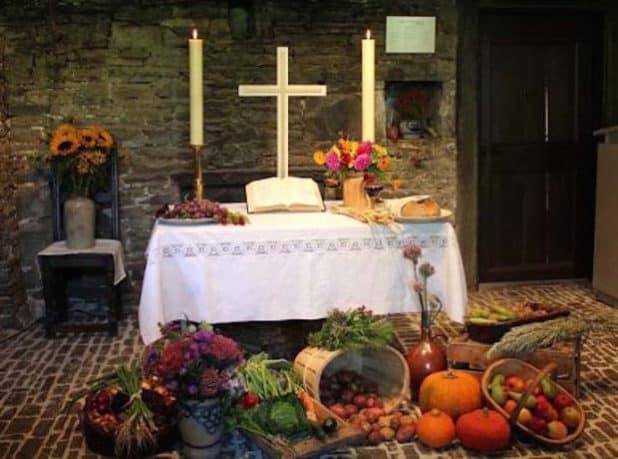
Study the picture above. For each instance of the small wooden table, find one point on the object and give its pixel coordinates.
(463, 353)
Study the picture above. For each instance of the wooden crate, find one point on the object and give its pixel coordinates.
(345, 435)
(463, 353)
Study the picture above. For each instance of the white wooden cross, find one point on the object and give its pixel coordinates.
(282, 90)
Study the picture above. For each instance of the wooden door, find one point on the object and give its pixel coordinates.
(539, 104)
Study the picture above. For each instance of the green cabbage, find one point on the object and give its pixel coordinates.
(284, 416)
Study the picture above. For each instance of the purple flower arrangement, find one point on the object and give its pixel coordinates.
(193, 361)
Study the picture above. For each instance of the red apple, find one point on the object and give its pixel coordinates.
(537, 424)
(570, 416)
(515, 383)
(562, 400)
(510, 405)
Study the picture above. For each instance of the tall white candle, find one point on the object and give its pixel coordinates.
(368, 89)
(196, 90)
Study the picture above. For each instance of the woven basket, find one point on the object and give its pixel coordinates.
(104, 443)
(527, 371)
(386, 367)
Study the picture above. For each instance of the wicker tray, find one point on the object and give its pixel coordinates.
(527, 371)
(490, 333)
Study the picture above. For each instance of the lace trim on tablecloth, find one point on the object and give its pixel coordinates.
(286, 247)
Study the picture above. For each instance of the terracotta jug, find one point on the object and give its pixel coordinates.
(425, 357)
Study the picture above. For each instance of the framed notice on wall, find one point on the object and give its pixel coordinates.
(410, 34)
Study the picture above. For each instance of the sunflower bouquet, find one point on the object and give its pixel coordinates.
(349, 157)
(79, 157)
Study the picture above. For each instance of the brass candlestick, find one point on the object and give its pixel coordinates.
(198, 181)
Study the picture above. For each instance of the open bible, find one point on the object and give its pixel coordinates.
(291, 194)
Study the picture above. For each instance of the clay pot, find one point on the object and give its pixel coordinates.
(426, 357)
(79, 221)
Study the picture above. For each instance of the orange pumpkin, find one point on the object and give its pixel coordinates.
(483, 430)
(435, 429)
(451, 391)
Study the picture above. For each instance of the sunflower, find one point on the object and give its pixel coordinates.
(64, 130)
(383, 163)
(104, 138)
(64, 145)
(88, 137)
(96, 158)
(83, 166)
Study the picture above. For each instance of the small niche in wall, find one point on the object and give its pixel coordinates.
(412, 109)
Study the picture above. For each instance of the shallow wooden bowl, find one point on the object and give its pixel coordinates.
(527, 371)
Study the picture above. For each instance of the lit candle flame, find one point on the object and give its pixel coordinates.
(368, 35)
(194, 34)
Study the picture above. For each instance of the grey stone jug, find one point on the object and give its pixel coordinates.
(79, 221)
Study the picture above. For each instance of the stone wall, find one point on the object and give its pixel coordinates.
(13, 303)
(124, 65)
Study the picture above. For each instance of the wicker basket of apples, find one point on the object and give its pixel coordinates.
(106, 416)
(533, 402)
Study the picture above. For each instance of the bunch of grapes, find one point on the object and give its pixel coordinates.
(201, 209)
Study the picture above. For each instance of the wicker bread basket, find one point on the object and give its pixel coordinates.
(385, 366)
(527, 371)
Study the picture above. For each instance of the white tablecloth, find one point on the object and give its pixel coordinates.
(291, 266)
(101, 246)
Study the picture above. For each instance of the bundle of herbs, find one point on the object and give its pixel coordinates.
(352, 330)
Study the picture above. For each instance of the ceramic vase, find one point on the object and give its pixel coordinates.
(79, 222)
(201, 428)
(354, 194)
(425, 357)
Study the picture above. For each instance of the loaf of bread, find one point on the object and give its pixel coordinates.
(424, 208)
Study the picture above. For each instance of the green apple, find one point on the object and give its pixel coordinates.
(570, 416)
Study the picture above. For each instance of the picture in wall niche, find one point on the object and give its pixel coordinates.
(412, 109)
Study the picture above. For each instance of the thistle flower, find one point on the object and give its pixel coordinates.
(209, 385)
(412, 252)
(426, 270)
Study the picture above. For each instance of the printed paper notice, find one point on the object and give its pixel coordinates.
(410, 34)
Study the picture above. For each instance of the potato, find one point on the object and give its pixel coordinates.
(388, 433)
(405, 433)
(350, 409)
(375, 437)
(384, 421)
(406, 419)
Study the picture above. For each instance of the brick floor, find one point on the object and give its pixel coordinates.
(39, 376)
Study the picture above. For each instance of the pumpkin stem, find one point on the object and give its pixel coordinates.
(436, 412)
(450, 374)
(485, 411)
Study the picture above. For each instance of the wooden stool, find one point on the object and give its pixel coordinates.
(463, 353)
(53, 270)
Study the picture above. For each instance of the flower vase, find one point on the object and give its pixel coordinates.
(425, 357)
(354, 194)
(201, 428)
(79, 222)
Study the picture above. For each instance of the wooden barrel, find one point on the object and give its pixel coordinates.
(386, 367)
